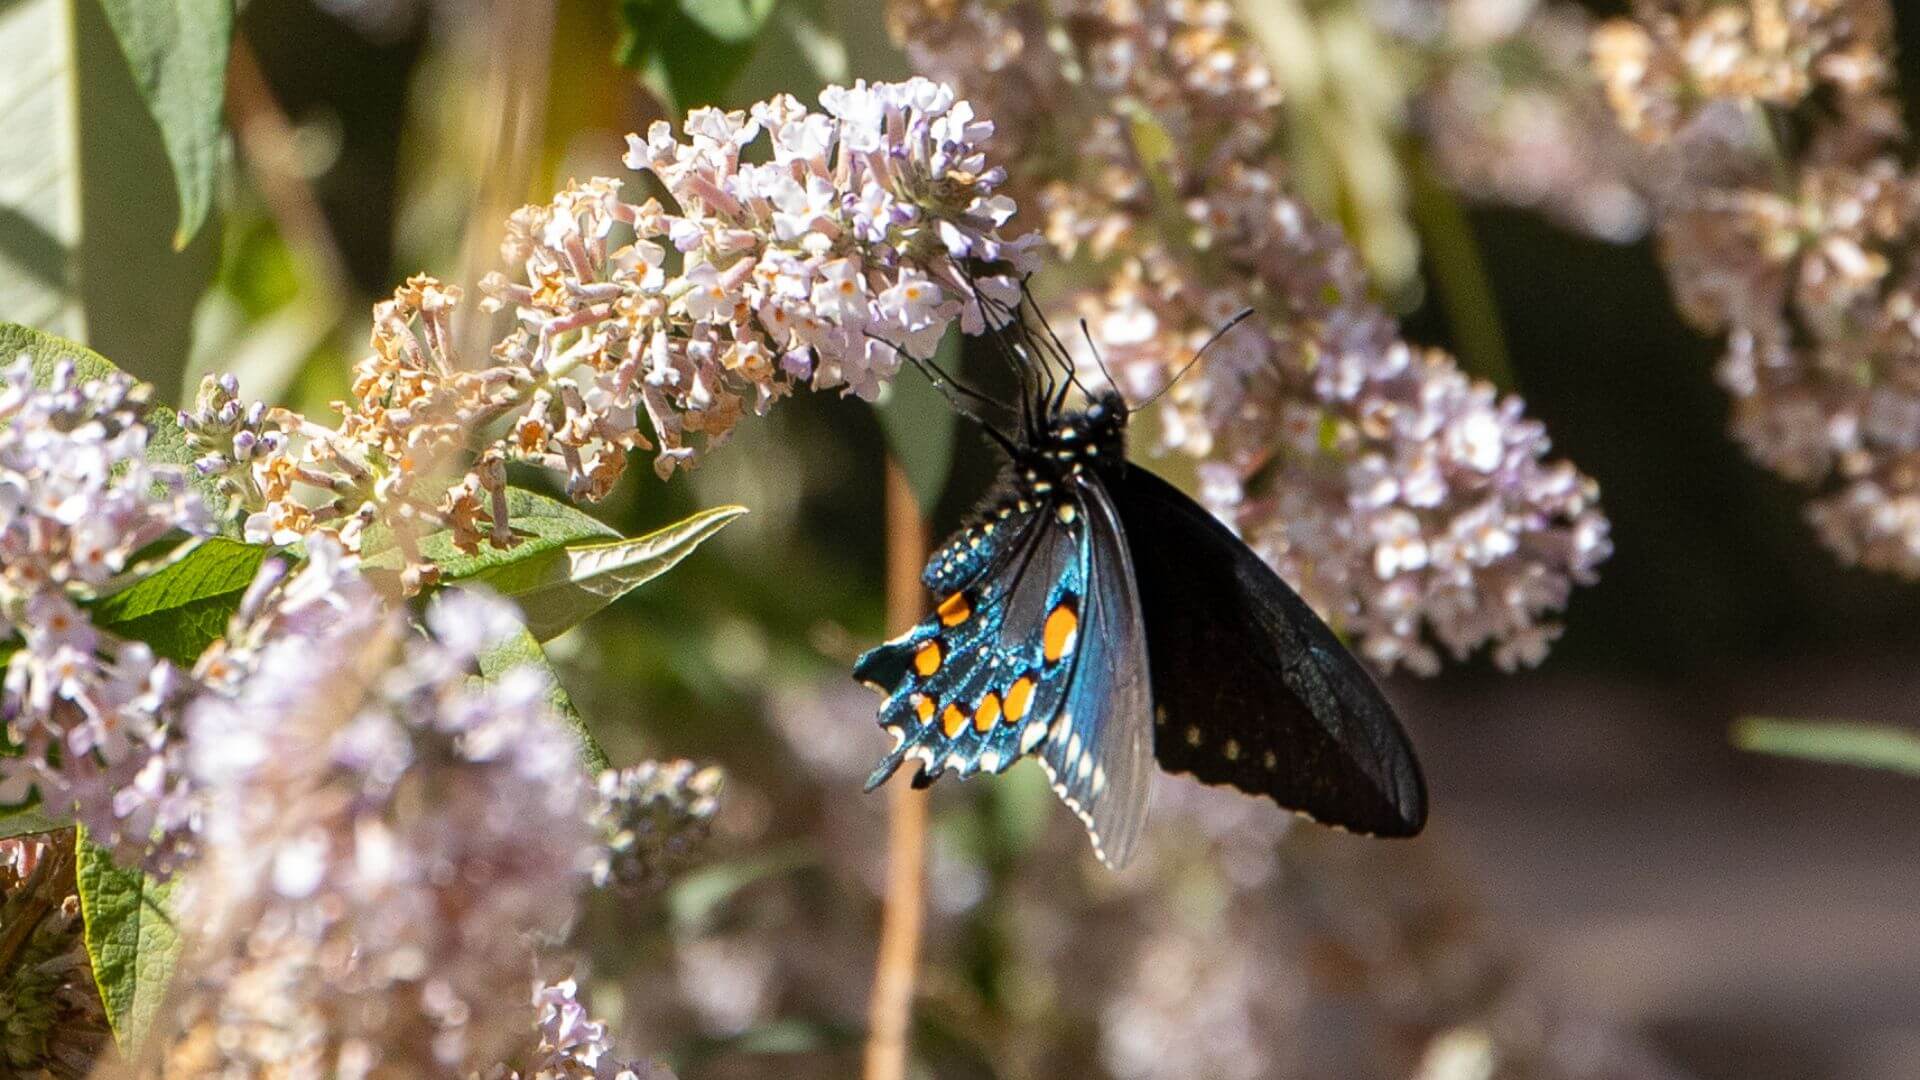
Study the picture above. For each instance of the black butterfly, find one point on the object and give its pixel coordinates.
(1096, 617)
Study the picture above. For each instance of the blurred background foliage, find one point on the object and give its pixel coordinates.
(379, 138)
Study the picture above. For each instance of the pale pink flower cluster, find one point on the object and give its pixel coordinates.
(862, 236)
(859, 240)
(1509, 113)
(387, 839)
(1408, 503)
(1790, 226)
(86, 714)
(573, 1045)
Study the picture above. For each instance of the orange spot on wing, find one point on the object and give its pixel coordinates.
(923, 706)
(987, 713)
(1019, 699)
(952, 720)
(1062, 627)
(955, 610)
(926, 661)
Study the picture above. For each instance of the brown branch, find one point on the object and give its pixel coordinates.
(890, 1012)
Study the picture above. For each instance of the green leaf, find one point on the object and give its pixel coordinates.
(690, 51)
(29, 820)
(1871, 745)
(695, 899)
(47, 351)
(177, 52)
(131, 939)
(560, 588)
(729, 20)
(524, 651)
(184, 607)
(87, 198)
(919, 424)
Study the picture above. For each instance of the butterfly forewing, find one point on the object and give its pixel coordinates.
(1100, 753)
(1251, 689)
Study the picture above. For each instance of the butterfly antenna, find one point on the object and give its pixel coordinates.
(1101, 361)
(1059, 353)
(1245, 313)
(1002, 326)
(947, 385)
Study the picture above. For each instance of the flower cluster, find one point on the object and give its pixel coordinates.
(85, 712)
(1788, 227)
(651, 817)
(573, 1045)
(1408, 503)
(857, 242)
(1509, 112)
(387, 839)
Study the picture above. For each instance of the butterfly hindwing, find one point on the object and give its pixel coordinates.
(1251, 689)
(1035, 647)
(972, 687)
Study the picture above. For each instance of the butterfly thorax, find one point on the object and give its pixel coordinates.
(1039, 478)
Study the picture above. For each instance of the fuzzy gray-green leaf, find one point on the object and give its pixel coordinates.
(565, 585)
(131, 939)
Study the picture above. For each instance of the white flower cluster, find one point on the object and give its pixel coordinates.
(864, 235)
(387, 839)
(86, 714)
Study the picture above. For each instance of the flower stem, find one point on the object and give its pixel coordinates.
(890, 1011)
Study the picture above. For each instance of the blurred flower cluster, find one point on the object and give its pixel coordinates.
(390, 845)
(376, 850)
(86, 713)
(1409, 503)
(1236, 946)
(1505, 105)
(859, 240)
(1788, 218)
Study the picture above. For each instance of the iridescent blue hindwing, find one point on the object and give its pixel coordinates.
(970, 688)
(1035, 648)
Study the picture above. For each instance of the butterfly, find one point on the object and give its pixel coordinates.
(1094, 617)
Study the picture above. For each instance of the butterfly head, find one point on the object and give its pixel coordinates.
(1092, 435)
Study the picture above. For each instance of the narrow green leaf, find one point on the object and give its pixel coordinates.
(177, 52)
(30, 820)
(183, 608)
(919, 425)
(524, 651)
(131, 940)
(1843, 743)
(562, 587)
(694, 900)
